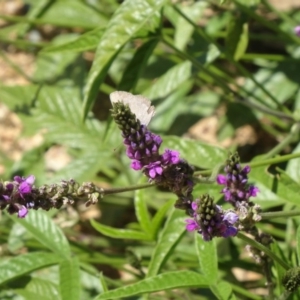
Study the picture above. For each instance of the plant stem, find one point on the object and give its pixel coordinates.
(286, 141)
(259, 163)
(121, 190)
(279, 214)
(263, 248)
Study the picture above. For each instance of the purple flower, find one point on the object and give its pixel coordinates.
(154, 169)
(209, 220)
(236, 188)
(25, 184)
(170, 157)
(142, 146)
(297, 30)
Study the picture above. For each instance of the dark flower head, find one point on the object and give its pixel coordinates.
(210, 220)
(237, 189)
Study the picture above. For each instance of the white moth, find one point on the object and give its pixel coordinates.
(138, 104)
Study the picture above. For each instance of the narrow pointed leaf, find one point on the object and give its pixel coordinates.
(39, 289)
(46, 232)
(118, 233)
(26, 263)
(85, 42)
(135, 67)
(168, 82)
(129, 18)
(207, 256)
(170, 236)
(166, 281)
(69, 279)
(160, 216)
(141, 211)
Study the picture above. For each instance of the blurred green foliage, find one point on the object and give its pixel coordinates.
(192, 59)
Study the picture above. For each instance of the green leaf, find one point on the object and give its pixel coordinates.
(169, 81)
(129, 18)
(279, 270)
(69, 272)
(141, 211)
(166, 281)
(207, 256)
(45, 231)
(222, 290)
(39, 289)
(293, 166)
(279, 187)
(118, 233)
(196, 153)
(26, 263)
(237, 37)
(85, 42)
(267, 196)
(160, 216)
(18, 98)
(183, 29)
(63, 67)
(62, 120)
(136, 66)
(277, 82)
(72, 13)
(169, 237)
(171, 107)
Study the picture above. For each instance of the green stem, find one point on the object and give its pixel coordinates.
(279, 214)
(259, 163)
(286, 141)
(105, 192)
(275, 160)
(263, 248)
(236, 64)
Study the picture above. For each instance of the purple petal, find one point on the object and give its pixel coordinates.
(221, 179)
(297, 30)
(136, 165)
(30, 179)
(22, 212)
(253, 190)
(18, 179)
(194, 206)
(24, 188)
(191, 225)
(231, 217)
(230, 231)
(246, 169)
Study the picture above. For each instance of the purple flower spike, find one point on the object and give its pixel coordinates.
(210, 220)
(236, 190)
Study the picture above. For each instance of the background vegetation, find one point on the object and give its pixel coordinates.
(223, 76)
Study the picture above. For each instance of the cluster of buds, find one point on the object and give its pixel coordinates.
(20, 195)
(168, 170)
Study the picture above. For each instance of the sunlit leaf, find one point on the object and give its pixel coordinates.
(127, 20)
(166, 281)
(45, 231)
(26, 263)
